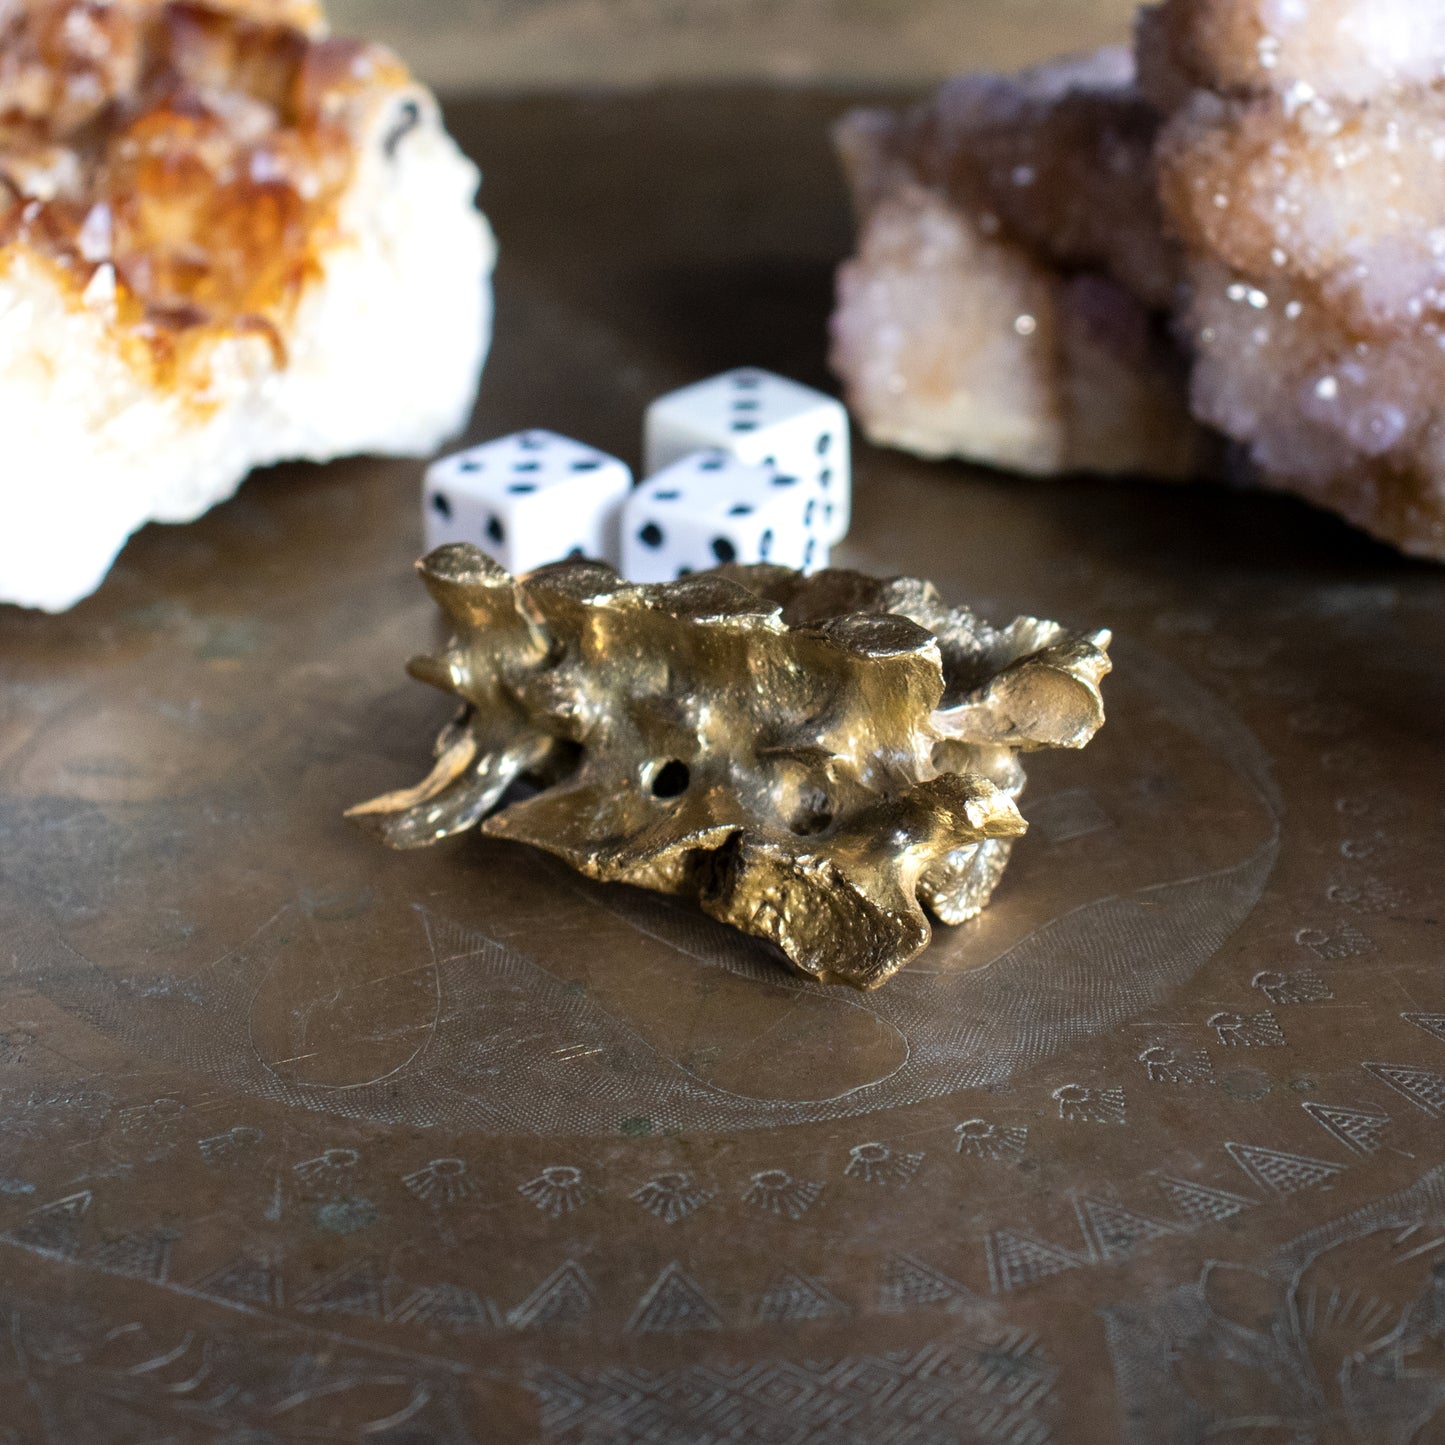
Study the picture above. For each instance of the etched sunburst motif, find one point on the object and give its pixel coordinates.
(1165, 1064)
(443, 1181)
(557, 1190)
(331, 1170)
(1303, 985)
(1081, 1104)
(878, 1164)
(1000, 1143)
(232, 1141)
(152, 1125)
(776, 1191)
(672, 1196)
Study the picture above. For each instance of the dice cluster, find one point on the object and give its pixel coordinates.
(743, 467)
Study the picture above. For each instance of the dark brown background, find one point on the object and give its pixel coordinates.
(284, 1118)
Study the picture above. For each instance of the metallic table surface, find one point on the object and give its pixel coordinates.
(304, 1140)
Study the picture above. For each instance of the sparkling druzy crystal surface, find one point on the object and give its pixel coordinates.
(815, 760)
(1101, 265)
(1003, 301)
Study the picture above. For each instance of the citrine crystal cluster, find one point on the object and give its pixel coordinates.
(816, 760)
(227, 238)
(1225, 252)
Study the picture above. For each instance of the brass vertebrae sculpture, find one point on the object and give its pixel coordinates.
(815, 760)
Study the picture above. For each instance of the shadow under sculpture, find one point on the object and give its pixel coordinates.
(815, 760)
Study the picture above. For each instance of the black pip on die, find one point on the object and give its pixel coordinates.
(763, 420)
(710, 508)
(527, 499)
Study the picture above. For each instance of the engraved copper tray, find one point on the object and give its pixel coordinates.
(302, 1140)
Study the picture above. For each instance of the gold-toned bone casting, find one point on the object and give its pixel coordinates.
(815, 760)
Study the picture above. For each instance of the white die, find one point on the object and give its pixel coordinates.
(527, 499)
(762, 419)
(710, 508)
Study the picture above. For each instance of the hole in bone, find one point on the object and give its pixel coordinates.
(671, 780)
(565, 761)
(814, 815)
(951, 757)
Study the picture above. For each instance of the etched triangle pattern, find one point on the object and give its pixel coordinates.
(1201, 1204)
(1284, 1173)
(1016, 1261)
(562, 1301)
(247, 1280)
(54, 1228)
(1113, 1231)
(797, 1297)
(354, 1289)
(674, 1303)
(1362, 1130)
(447, 1307)
(910, 1284)
(1422, 1087)
(146, 1255)
(1433, 1024)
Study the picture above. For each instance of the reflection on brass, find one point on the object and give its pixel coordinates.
(815, 760)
